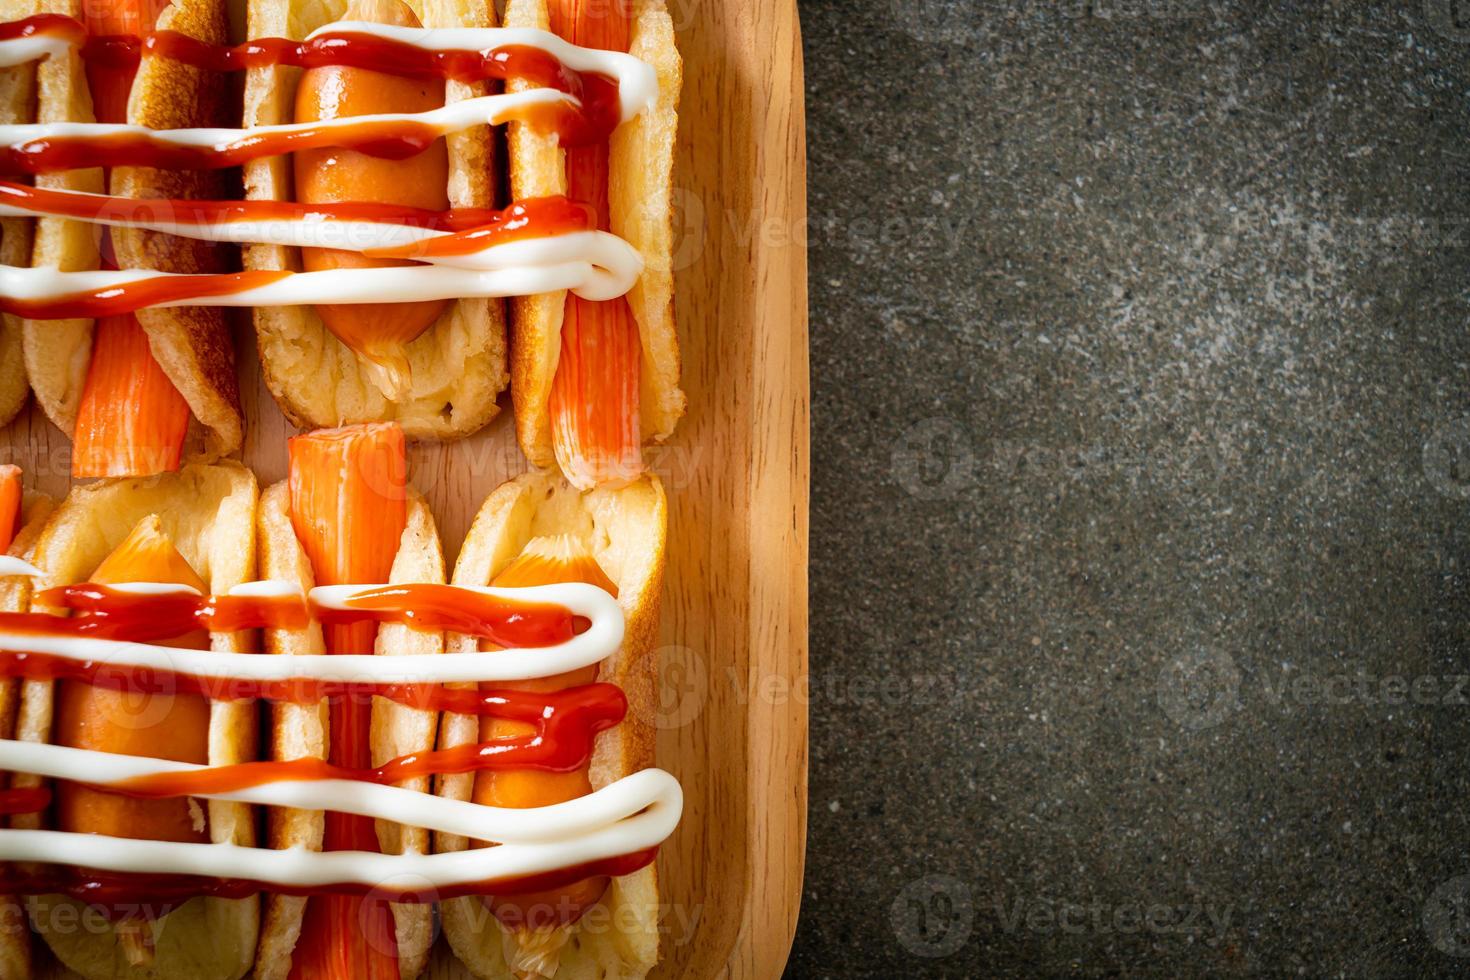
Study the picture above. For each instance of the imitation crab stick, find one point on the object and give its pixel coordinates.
(349, 508)
(112, 84)
(594, 395)
(10, 504)
(160, 726)
(535, 922)
(132, 420)
(378, 332)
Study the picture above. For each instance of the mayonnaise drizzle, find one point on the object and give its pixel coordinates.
(604, 807)
(154, 588)
(653, 792)
(637, 81)
(603, 250)
(603, 636)
(11, 565)
(22, 50)
(398, 284)
(491, 110)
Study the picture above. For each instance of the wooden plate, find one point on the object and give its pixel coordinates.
(733, 718)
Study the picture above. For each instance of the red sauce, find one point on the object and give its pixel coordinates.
(567, 723)
(471, 229)
(425, 697)
(24, 800)
(535, 217)
(115, 889)
(118, 614)
(590, 123)
(505, 623)
(139, 294)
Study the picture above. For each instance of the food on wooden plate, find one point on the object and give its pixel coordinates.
(17, 105)
(594, 381)
(126, 386)
(188, 532)
(538, 530)
(22, 515)
(370, 172)
(150, 824)
(434, 365)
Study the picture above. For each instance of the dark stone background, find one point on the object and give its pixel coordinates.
(1141, 488)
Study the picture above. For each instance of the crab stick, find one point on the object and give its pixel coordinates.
(535, 922)
(594, 394)
(160, 726)
(349, 509)
(132, 420)
(378, 332)
(112, 84)
(10, 504)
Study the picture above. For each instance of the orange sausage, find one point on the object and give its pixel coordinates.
(379, 332)
(544, 561)
(159, 726)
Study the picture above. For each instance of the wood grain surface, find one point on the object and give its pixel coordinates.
(733, 719)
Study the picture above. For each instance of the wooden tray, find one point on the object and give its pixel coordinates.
(733, 721)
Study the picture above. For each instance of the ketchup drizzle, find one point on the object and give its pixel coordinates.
(140, 293)
(535, 217)
(588, 123)
(117, 614)
(567, 723)
(114, 889)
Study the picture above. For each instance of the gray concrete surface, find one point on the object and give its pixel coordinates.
(1141, 490)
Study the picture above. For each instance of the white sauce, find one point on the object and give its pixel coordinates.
(10, 565)
(652, 789)
(153, 588)
(630, 815)
(601, 639)
(266, 589)
(23, 50)
(537, 825)
(397, 284)
(637, 81)
(491, 110)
